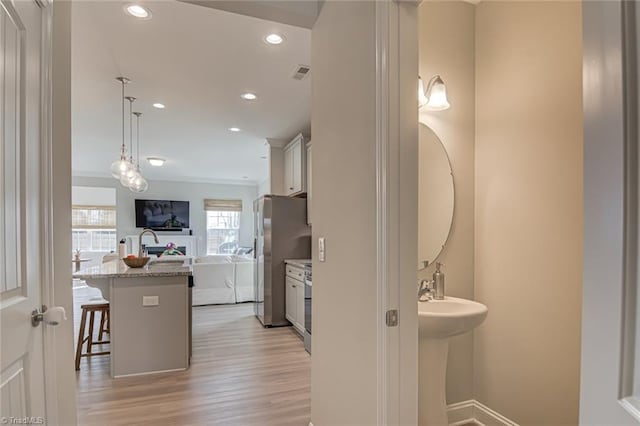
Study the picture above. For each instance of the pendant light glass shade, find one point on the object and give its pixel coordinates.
(121, 167)
(127, 177)
(139, 184)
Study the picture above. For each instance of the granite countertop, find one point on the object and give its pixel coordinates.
(300, 263)
(117, 269)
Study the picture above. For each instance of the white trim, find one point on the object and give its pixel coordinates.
(461, 413)
(382, 207)
(486, 416)
(46, 205)
(630, 404)
(278, 143)
(472, 411)
(179, 179)
(629, 374)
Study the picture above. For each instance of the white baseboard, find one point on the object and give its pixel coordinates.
(461, 413)
(473, 411)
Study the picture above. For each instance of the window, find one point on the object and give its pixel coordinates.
(94, 228)
(223, 225)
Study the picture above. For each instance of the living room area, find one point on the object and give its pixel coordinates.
(218, 242)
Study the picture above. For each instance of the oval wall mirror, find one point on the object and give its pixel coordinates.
(436, 197)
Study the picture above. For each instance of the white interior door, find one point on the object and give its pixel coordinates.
(21, 364)
(610, 368)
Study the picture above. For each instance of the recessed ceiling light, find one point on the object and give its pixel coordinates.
(249, 96)
(156, 161)
(234, 129)
(138, 11)
(274, 39)
(158, 105)
(264, 157)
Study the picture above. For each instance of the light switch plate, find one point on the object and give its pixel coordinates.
(321, 250)
(150, 300)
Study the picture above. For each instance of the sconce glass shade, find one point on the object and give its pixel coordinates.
(121, 167)
(422, 99)
(435, 97)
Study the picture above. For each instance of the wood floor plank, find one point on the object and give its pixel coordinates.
(241, 374)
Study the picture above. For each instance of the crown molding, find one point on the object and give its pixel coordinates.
(177, 179)
(277, 143)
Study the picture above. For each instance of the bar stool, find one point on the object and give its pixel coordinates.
(91, 309)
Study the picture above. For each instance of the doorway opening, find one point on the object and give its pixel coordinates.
(225, 120)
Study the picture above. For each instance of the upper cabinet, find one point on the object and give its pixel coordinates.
(295, 171)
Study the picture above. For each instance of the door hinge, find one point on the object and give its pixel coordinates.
(392, 318)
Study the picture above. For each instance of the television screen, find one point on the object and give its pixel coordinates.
(162, 214)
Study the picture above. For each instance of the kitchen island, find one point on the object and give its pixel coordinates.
(150, 315)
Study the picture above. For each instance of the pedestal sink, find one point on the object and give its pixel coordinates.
(438, 321)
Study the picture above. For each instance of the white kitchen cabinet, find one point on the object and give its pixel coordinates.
(309, 183)
(291, 307)
(295, 173)
(299, 320)
(294, 297)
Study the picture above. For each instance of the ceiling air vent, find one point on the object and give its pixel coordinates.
(301, 71)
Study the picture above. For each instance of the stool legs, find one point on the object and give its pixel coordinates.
(83, 323)
(104, 327)
(90, 341)
(103, 320)
(85, 335)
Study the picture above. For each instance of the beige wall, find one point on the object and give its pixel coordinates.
(446, 40)
(528, 227)
(343, 379)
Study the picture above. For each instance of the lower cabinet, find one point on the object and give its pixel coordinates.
(290, 300)
(294, 303)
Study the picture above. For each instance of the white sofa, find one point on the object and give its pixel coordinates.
(223, 279)
(244, 281)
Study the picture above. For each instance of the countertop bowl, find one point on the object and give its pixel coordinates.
(135, 262)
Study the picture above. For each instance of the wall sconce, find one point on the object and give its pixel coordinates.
(435, 97)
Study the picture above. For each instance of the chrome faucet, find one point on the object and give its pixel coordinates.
(426, 290)
(145, 231)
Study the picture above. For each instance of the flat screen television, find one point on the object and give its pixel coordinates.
(164, 215)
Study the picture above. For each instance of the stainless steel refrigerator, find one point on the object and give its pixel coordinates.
(281, 232)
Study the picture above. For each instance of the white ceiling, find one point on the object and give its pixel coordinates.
(197, 61)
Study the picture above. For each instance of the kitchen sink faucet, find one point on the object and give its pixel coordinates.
(145, 231)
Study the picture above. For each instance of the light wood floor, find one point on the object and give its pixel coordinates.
(241, 374)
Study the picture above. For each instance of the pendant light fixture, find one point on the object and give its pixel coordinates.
(126, 177)
(138, 183)
(121, 167)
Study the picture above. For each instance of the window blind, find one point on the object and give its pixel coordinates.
(93, 217)
(223, 205)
